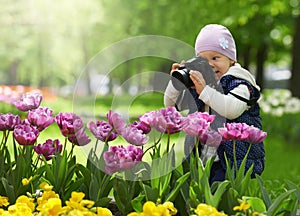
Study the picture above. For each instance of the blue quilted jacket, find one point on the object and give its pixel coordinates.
(251, 117)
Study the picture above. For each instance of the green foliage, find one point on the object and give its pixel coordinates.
(61, 174)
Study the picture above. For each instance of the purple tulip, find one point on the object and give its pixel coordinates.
(255, 135)
(141, 126)
(135, 136)
(102, 129)
(40, 117)
(211, 138)
(25, 134)
(68, 123)
(196, 124)
(28, 101)
(203, 115)
(120, 158)
(8, 121)
(80, 138)
(234, 131)
(167, 120)
(49, 149)
(116, 121)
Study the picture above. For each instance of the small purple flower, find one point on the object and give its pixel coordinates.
(80, 138)
(135, 136)
(28, 101)
(255, 135)
(116, 121)
(26, 134)
(40, 117)
(234, 131)
(8, 121)
(68, 123)
(195, 125)
(211, 138)
(141, 126)
(102, 129)
(120, 158)
(49, 149)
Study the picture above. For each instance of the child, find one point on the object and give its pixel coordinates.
(236, 102)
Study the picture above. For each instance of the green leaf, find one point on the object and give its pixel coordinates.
(151, 193)
(292, 185)
(103, 202)
(278, 201)
(171, 197)
(266, 197)
(9, 189)
(214, 199)
(60, 168)
(256, 203)
(137, 203)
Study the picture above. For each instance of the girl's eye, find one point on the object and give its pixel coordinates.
(214, 58)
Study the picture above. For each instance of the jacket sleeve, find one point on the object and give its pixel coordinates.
(171, 95)
(227, 106)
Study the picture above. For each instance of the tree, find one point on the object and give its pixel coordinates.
(295, 87)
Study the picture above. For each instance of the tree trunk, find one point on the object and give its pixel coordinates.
(246, 58)
(295, 87)
(261, 57)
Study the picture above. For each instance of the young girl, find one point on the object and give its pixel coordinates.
(236, 102)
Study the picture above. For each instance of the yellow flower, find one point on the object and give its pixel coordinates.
(76, 202)
(20, 209)
(242, 207)
(206, 210)
(87, 203)
(76, 196)
(133, 214)
(26, 181)
(44, 198)
(150, 209)
(170, 207)
(26, 200)
(103, 212)
(46, 187)
(3, 201)
(52, 207)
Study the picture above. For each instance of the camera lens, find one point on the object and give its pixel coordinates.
(181, 79)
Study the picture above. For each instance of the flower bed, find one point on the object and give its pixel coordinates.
(162, 184)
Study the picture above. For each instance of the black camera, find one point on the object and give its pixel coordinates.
(181, 77)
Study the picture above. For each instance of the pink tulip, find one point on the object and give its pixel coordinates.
(102, 130)
(116, 121)
(28, 101)
(135, 136)
(120, 158)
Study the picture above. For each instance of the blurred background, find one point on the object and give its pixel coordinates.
(49, 45)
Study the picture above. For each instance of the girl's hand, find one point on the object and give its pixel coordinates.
(198, 80)
(175, 66)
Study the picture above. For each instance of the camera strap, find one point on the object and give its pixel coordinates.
(249, 102)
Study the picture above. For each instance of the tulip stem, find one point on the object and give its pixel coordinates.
(234, 156)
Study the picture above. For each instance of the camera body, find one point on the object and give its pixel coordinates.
(181, 77)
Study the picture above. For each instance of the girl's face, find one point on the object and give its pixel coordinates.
(219, 62)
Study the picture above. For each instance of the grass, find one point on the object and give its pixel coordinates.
(282, 159)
